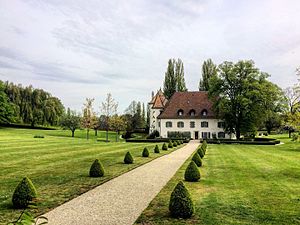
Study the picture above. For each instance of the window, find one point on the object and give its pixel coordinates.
(204, 124)
(158, 124)
(180, 124)
(221, 135)
(180, 112)
(192, 124)
(205, 135)
(169, 124)
(221, 124)
(192, 112)
(204, 112)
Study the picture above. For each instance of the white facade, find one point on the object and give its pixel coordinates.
(154, 121)
(193, 126)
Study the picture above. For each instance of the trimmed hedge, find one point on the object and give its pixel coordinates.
(200, 152)
(170, 145)
(196, 158)
(164, 147)
(174, 144)
(156, 140)
(38, 136)
(96, 169)
(229, 141)
(24, 193)
(145, 152)
(181, 204)
(192, 173)
(156, 149)
(128, 159)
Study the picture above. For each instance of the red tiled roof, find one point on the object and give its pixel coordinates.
(159, 100)
(187, 101)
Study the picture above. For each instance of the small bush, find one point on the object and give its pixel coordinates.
(200, 152)
(96, 169)
(196, 158)
(145, 152)
(174, 144)
(128, 159)
(181, 204)
(156, 149)
(295, 137)
(204, 145)
(164, 147)
(38, 136)
(192, 173)
(170, 145)
(24, 193)
(153, 135)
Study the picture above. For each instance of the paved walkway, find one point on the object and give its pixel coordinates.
(120, 201)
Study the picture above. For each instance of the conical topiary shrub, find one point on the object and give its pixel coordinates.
(128, 158)
(181, 205)
(96, 169)
(204, 146)
(192, 173)
(170, 145)
(24, 193)
(196, 158)
(200, 152)
(174, 144)
(145, 152)
(156, 149)
(164, 147)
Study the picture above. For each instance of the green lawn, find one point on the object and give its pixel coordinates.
(58, 164)
(240, 184)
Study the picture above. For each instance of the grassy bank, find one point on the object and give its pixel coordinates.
(58, 164)
(240, 185)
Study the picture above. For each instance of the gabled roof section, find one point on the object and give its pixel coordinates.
(159, 100)
(195, 101)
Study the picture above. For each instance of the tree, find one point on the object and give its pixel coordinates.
(137, 117)
(6, 108)
(143, 115)
(240, 96)
(108, 108)
(117, 124)
(292, 122)
(292, 95)
(209, 69)
(174, 78)
(88, 118)
(33, 106)
(170, 80)
(179, 75)
(71, 121)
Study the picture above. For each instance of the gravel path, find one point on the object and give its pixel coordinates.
(121, 200)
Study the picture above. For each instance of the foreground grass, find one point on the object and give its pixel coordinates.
(240, 184)
(59, 165)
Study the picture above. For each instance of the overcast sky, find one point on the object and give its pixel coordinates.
(78, 49)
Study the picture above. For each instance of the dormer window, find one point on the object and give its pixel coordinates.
(180, 112)
(192, 112)
(204, 112)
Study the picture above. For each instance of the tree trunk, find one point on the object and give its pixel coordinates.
(96, 132)
(106, 135)
(87, 134)
(238, 133)
(73, 131)
(116, 136)
(290, 132)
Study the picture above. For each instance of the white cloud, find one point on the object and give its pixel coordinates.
(78, 49)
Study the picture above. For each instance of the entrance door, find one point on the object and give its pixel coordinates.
(196, 135)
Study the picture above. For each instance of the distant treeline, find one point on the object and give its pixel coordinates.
(28, 105)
